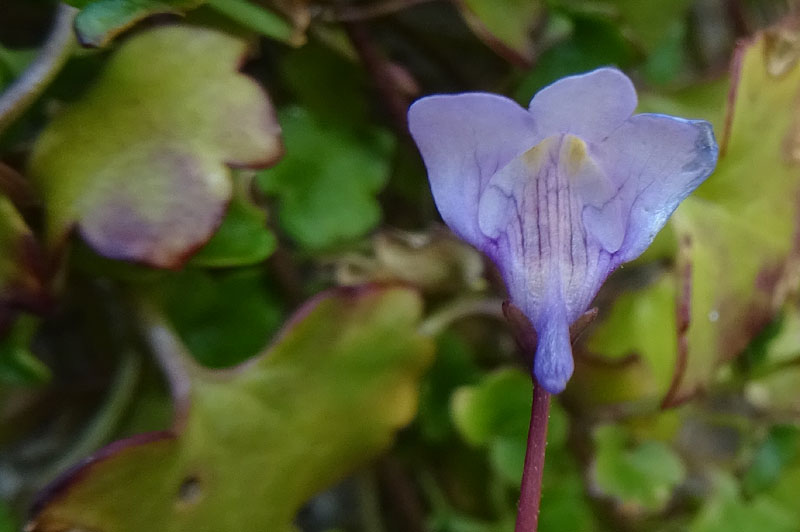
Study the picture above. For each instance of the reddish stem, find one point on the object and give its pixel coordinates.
(531, 492)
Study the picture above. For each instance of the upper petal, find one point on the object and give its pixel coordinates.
(464, 140)
(656, 162)
(589, 105)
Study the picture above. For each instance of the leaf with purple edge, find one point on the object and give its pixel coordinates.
(350, 354)
(165, 122)
(737, 234)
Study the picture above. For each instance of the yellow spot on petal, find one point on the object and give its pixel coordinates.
(578, 166)
(574, 155)
(536, 157)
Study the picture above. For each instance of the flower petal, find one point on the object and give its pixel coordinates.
(464, 140)
(532, 212)
(589, 105)
(602, 208)
(656, 161)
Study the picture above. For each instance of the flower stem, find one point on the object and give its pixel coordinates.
(531, 492)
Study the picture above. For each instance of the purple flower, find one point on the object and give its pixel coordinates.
(559, 194)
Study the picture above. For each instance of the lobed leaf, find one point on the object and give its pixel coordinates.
(643, 476)
(141, 163)
(257, 441)
(243, 238)
(328, 180)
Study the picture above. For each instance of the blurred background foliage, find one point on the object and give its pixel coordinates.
(223, 278)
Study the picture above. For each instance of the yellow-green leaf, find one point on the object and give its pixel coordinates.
(141, 163)
(627, 329)
(737, 232)
(259, 440)
(736, 235)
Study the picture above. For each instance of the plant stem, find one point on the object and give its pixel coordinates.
(455, 310)
(30, 85)
(531, 492)
(380, 70)
(171, 355)
(106, 420)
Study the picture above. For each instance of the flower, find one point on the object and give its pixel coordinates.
(560, 194)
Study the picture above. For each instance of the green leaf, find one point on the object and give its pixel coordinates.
(498, 406)
(454, 366)
(13, 63)
(508, 23)
(22, 263)
(164, 121)
(780, 449)
(224, 318)
(704, 100)
(564, 505)
(726, 511)
(18, 365)
(667, 59)
(315, 72)
(643, 476)
(242, 239)
(264, 21)
(495, 414)
(594, 42)
(100, 21)
(7, 521)
(652, 22)
(326, 184)
(649, 23)
(259, 440)
(626, 329)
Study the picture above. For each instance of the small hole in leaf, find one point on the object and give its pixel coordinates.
(190, 491)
